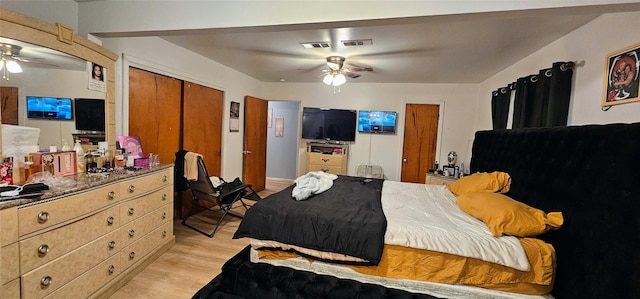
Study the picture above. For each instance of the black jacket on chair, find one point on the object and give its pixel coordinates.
(179, 181)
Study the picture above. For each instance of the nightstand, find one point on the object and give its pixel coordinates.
(433, 179)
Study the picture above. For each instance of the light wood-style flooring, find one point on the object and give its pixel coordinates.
(194, 260)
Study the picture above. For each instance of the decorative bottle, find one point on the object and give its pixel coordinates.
(79, 156)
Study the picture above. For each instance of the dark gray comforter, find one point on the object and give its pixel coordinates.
(347, 219)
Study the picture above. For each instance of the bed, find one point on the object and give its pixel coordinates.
(579, 171)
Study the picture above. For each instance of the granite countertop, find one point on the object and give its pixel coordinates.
(78, 183)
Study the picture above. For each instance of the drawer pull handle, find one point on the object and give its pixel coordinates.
(112, 269)
(131, 210)
(46, 281)
(164, 196)
(111, 194)
(112, 244)
(164, 215)
(132, 255)
(43, 217)
(325, 160)
(164, 178)
(164, 233)
(325, 170)
(110, 220)
(43, 250)
(132, 189)
(132, 232)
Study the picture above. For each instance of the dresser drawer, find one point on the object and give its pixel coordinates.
(325, 160)
(40, 249)
(327, 169)
(11, 290)
(144, 184)
(10, 263)
(53, 275)
(8, 227)
(139, 249)
(87, 283)
(136, 229)
(132, 209)
(37, 217)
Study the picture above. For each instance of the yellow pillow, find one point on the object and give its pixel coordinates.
(482, 182)
(506, 216)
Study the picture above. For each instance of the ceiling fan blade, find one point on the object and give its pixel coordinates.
(351, 75)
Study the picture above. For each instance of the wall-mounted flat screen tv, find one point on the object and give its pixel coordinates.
(49, 108)
(381, 122)
(90, 114)
(328, 124)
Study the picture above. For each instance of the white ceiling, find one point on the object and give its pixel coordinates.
(464, 48)
(454, 48)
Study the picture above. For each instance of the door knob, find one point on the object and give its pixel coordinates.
(246, 152)
(404, 160)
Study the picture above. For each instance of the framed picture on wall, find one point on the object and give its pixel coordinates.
(234, 117)
(279, 126)
(621, 76)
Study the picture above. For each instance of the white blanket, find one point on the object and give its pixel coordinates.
(427, 217)
(314, 182)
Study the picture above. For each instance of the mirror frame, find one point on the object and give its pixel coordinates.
(62, 38)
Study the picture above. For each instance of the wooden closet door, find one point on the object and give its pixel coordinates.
(202, 124)
(9, 105)
(154, 112)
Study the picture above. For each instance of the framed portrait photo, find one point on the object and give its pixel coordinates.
(621, 76)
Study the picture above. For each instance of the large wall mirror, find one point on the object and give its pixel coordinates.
(54, 64)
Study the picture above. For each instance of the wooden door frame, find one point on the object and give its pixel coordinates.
(438, 138)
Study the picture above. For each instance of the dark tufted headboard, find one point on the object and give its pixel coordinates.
(587, 173)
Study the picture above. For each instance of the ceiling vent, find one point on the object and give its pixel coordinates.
(357, 42)
(316, 45)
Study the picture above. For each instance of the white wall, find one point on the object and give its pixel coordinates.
(458, 101)
(159, 56)
(50, 83)
(588, 46)
(59, 11)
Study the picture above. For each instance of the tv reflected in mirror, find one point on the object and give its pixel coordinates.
(49, 108)
(90, 114)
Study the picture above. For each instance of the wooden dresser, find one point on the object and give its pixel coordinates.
(330, 158)
(86, 243)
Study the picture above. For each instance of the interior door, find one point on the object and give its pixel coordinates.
(202, 124)
(420, 138)
(254, 165)
(9, 102)
(154, 112)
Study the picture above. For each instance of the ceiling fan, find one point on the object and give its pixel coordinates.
(9, 58)
(337, 73)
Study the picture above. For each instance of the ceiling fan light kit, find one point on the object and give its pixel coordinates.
(7, 63)
(337, 75)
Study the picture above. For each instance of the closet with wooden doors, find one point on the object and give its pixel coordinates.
(171, 114)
